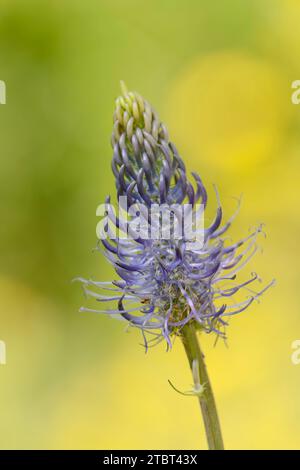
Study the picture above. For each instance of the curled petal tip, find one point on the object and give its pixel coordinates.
(123, 87)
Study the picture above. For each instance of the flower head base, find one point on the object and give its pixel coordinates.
(166, 283)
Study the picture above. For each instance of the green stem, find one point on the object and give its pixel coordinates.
(206, 400)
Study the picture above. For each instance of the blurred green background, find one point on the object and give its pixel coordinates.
(220, 75)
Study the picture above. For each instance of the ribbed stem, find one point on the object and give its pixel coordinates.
(206, 400)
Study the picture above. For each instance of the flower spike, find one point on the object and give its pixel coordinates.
(165, 284)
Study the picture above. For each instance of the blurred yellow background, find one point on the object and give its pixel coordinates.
(220, 75)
